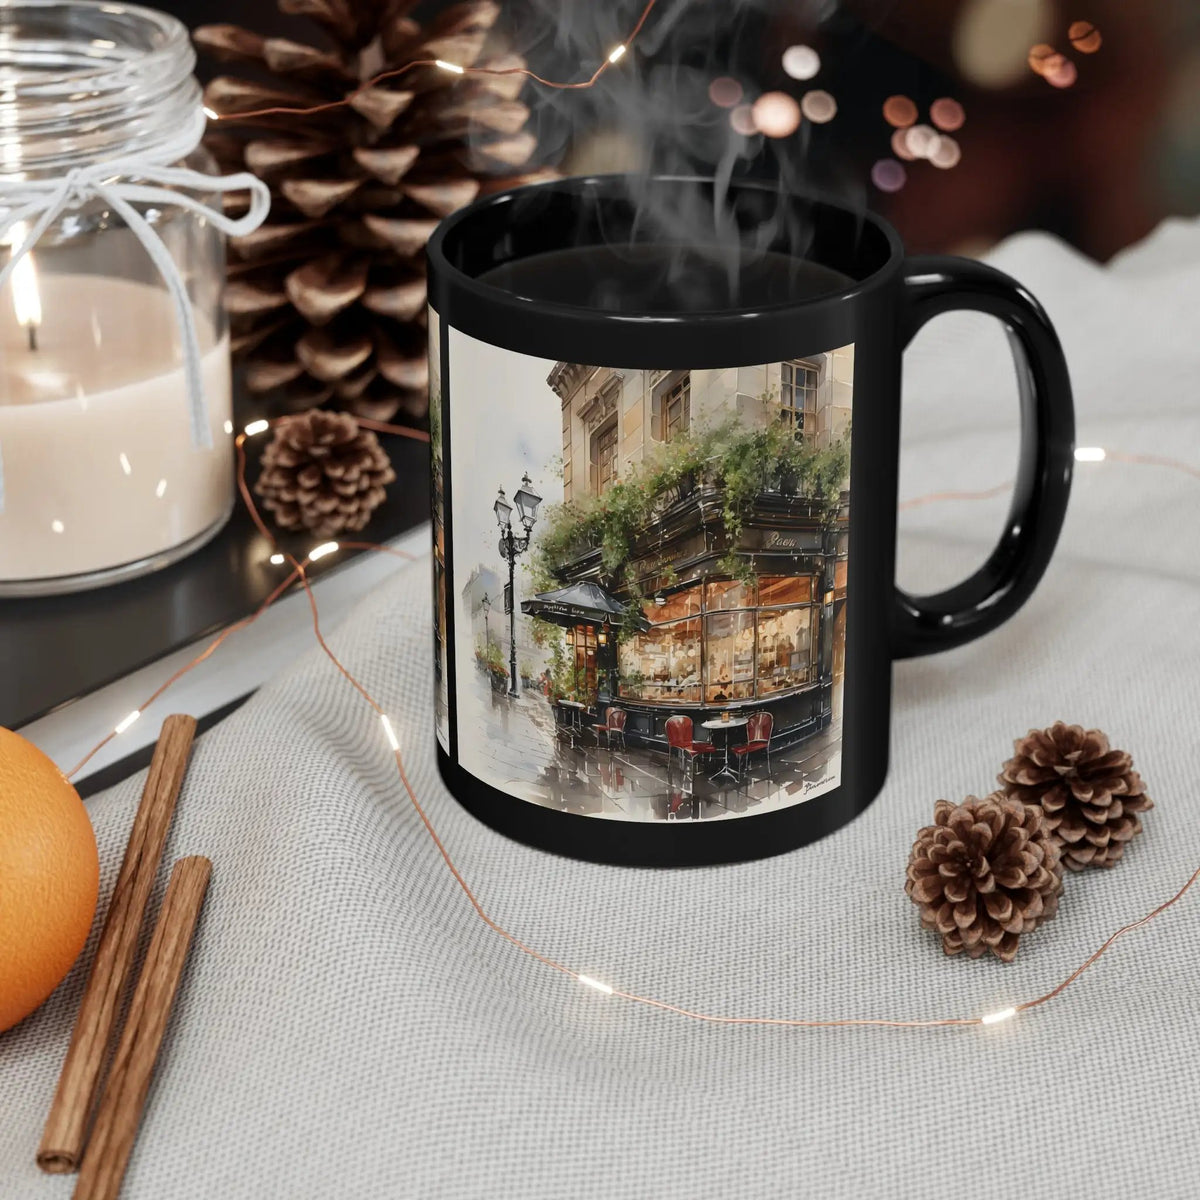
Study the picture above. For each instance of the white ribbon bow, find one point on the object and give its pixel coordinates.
(42, 201)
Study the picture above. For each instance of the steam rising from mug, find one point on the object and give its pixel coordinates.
(653, 116)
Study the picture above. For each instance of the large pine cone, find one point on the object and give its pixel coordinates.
(323, 474)
(985, 872)
(327, 299)
(1090, 793)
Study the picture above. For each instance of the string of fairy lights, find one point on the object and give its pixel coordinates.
(777, 114)
(773, 114)
(299, 574)
(613, 57)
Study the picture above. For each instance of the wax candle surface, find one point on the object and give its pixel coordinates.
(99, 466)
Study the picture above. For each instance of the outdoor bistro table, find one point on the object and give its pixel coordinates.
(574, 715)
(726, 770)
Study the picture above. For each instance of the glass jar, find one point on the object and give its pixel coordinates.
(107, 471)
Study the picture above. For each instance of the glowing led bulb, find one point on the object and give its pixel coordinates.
(598, 984)
(259, 426)
(127, 721)
(212, 116)
(996, 1017)
(616, 53)
(393, 740)
(449, 66)
(1090, 454)
(320, 551)
(276, 560)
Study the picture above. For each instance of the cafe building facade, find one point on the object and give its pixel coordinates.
(711, 619)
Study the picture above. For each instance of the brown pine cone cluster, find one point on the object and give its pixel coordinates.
(984, 873)
(323, 474)
(327, 299)
(1090, 793)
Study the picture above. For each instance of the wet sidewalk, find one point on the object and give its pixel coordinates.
(516, 745)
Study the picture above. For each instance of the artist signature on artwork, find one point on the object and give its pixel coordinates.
(811, 785)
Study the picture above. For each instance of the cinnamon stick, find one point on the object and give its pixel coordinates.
(120, 1110)
(66, 1126)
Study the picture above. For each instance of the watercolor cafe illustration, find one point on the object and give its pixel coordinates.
(695, 570)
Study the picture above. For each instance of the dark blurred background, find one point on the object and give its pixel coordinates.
(1099, 162)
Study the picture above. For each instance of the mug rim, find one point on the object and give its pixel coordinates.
(489, 294)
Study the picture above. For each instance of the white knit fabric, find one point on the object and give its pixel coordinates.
(348, 1028)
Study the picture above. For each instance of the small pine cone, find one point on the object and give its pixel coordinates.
(1090, 793)
(323, 474)
(985, 872)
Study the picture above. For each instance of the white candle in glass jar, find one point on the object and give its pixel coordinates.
(99, 465)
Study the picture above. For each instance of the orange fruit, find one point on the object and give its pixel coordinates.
(49, 877)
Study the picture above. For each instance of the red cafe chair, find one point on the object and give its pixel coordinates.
(758, 737)
(613, 726)
(679, 737)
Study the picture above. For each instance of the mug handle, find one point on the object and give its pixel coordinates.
(935, 285)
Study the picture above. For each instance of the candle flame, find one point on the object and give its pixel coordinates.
(27, 299)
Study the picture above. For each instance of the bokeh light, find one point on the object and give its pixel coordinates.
(888, 175)
(1052, 64)
(947, 114)
(1062, 74)
(1040, 55)
(818, 106)
(900, 145)
(899, 111)
(991, 38)
(725, 92)
(801, 62)
(921, 140)
(947, 153)
(742, 120)
(776, 114)
(1085, 37)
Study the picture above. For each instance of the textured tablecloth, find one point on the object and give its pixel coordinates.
(347, 1027)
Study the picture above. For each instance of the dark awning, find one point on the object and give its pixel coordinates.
(581, 603)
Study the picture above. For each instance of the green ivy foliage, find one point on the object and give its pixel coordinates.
(742, 463)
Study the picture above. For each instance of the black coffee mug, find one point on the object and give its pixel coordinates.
(665, 478)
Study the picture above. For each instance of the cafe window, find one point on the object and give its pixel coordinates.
(774, 590)
(582, 639)
(724, 640)
(670, 608)
(604, 457)
(728, 593)
(729, 656)
(798, 394)
(784, 649)
(675, 410)
(663, 664)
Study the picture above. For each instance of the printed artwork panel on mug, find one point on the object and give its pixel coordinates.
(441, 669)
(649, 581)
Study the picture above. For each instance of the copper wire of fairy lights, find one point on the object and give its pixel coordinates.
(299, 573)
(614, 56)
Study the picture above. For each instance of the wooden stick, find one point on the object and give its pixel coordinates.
(66, 1126)
(120, 1110)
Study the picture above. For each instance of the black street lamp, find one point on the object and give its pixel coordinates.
(511, 547)
(486, 603)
